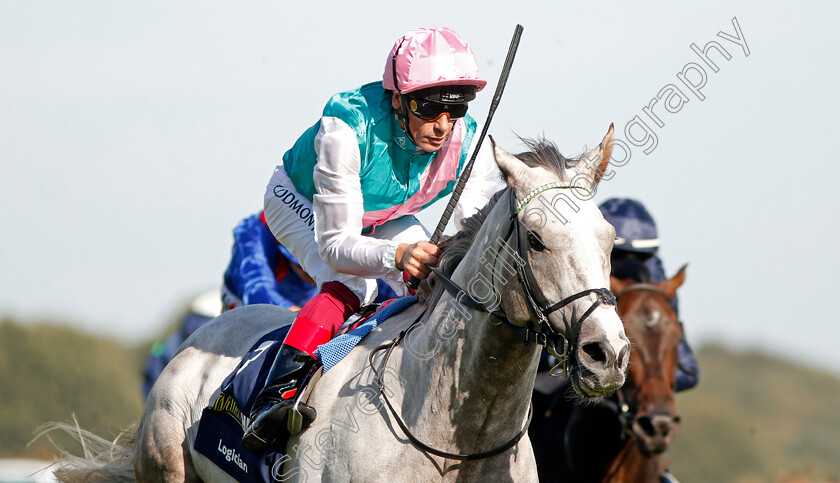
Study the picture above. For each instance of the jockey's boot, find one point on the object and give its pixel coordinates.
(268, 416)
(315, 324)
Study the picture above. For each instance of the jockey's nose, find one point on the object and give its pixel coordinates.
(442, 122)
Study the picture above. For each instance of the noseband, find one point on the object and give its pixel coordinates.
(543, 333)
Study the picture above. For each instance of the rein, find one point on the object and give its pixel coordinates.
(544, 333)
(414, 440)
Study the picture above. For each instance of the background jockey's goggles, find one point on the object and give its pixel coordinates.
(431, 110)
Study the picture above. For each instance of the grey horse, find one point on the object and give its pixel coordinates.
(450, 400)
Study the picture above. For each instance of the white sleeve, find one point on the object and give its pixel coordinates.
(339, 206)
(485, 180)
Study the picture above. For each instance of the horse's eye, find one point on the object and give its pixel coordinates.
(535, 242)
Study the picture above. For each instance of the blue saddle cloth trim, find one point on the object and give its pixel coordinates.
(335, 350)
(220, 429)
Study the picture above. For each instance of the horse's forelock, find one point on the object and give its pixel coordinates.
(545, 154)
(453, 249)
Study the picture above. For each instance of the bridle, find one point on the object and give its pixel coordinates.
(543, 333)
(618, 405)
(625, 414)
(647, 287)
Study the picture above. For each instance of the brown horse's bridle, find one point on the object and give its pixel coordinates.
(619, 406)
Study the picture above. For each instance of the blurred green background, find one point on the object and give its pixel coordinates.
(753, 418)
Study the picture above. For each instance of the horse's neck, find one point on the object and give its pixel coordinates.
(631, 466)
(476, 376)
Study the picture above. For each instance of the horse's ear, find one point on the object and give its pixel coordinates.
(598, 159)
(605, 152)
(509, 165)
(670, 286)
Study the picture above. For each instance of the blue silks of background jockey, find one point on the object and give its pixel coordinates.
(261, 271)
(636, 239)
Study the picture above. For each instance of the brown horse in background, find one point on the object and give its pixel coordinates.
(621, 438)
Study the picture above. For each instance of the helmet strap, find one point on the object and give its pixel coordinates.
(402, 112)
(402, 115)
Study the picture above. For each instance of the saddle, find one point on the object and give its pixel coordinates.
(223, 422)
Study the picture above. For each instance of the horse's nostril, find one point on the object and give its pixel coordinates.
(646, 425)
(594, 350)
(624, 357)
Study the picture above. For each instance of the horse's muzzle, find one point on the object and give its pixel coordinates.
(602, 357)
(654, 432)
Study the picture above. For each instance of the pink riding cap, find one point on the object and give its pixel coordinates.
(431, 57)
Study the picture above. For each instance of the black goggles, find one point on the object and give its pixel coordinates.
(431, 110)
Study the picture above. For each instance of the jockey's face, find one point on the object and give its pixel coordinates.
(429, 135)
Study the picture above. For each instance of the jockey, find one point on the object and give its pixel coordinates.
(261, 271)
(636, 239)
(344, 197)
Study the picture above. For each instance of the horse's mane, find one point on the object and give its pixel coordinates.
(542, 153)
(453, 248)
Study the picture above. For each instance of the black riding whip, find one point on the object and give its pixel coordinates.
(414, 282)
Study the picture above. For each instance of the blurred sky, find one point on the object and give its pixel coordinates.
(134, 136)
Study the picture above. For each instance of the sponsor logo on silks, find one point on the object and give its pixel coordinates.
(400, 140)
(288, 198)
(226, 404)
(231, 455)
